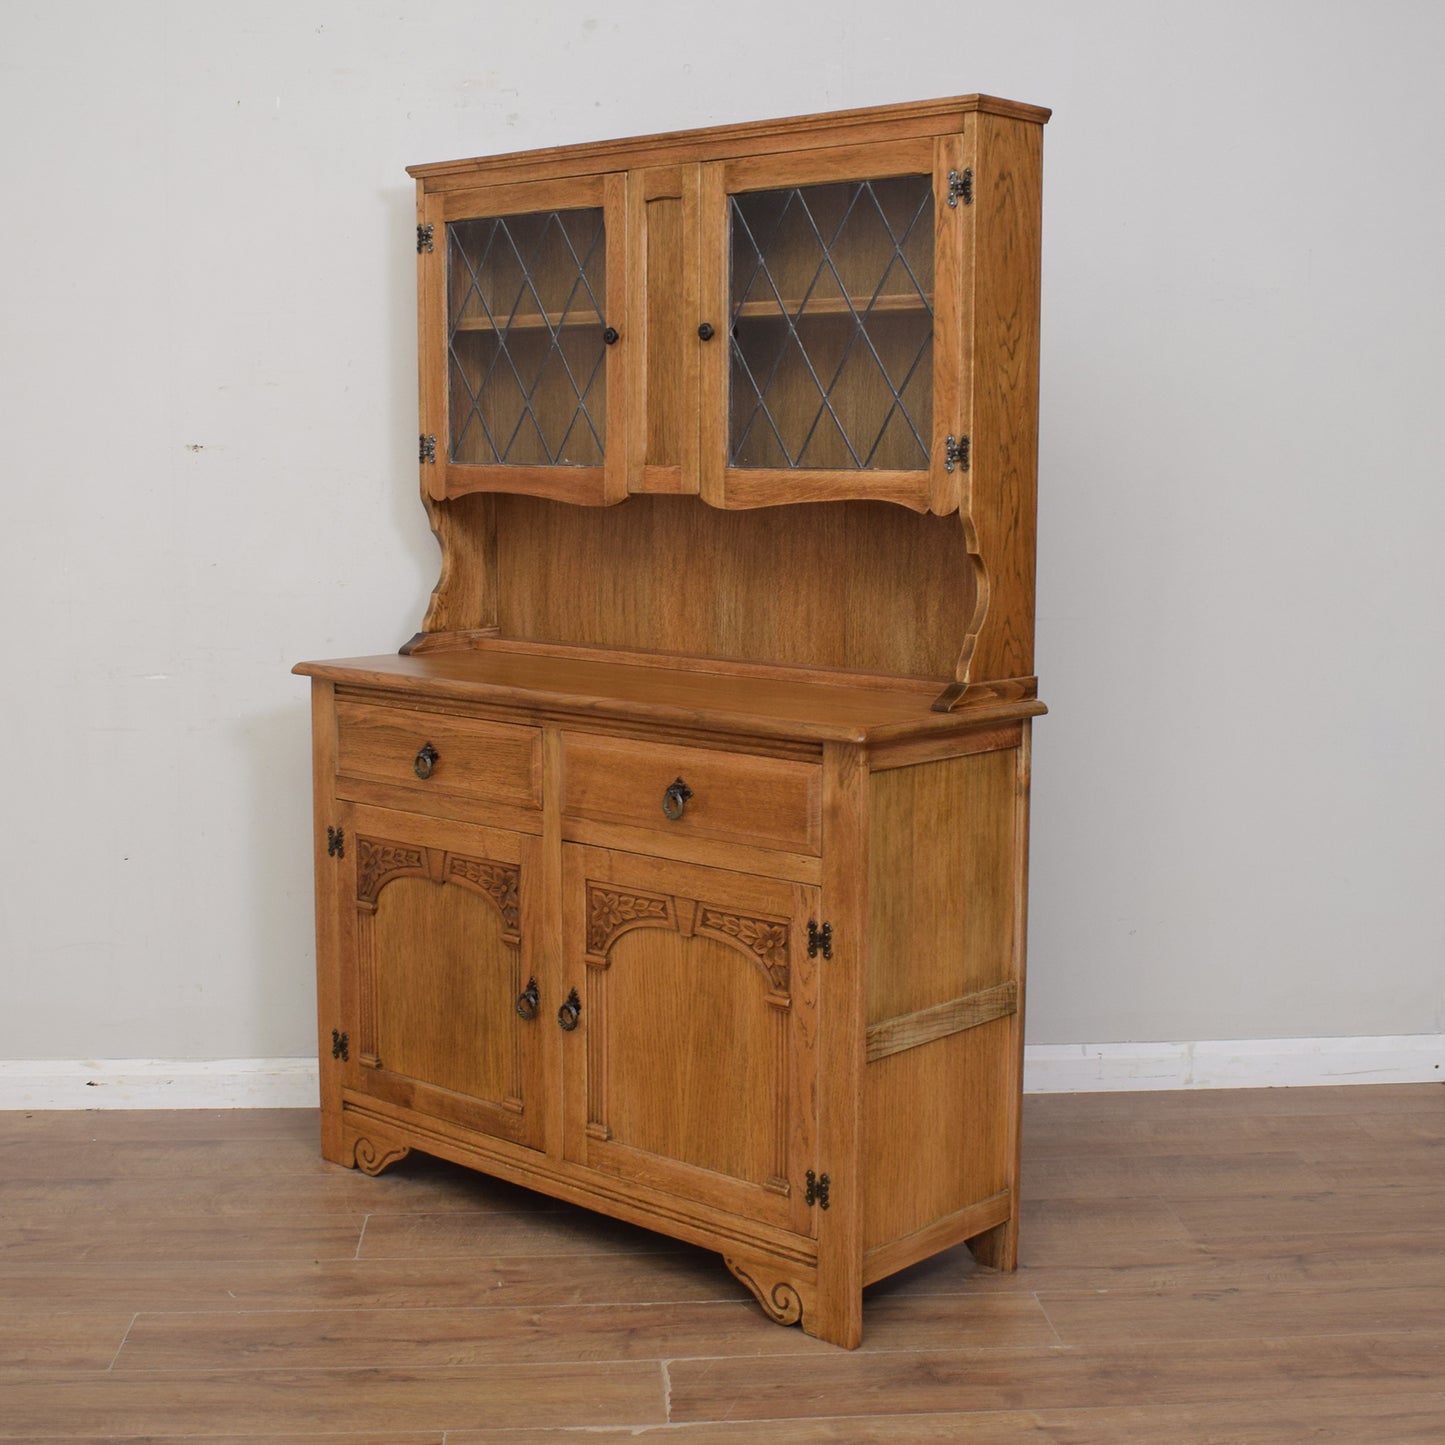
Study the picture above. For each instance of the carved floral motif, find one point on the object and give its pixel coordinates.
(500, 882)
(377, 862)
(610, 911)
(763, 937)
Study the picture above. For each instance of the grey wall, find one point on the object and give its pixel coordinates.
(208, 397)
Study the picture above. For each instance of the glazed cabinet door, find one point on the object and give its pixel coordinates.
(523, 297)
(836, 280)
(438, 977)
(690, 1032)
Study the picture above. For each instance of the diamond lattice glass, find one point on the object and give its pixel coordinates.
(527, 379)
(832, 326)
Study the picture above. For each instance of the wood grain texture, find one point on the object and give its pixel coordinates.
(1003, 472)
(862, 586)
(908, 1031)
(1149, 1305)
(919, 118)
(768, 802)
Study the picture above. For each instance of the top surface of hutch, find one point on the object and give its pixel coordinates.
(682, 852)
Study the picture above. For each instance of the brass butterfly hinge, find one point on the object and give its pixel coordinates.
(960, 186)
(820, 940)
(425, 235)
(817, 1190)
(336, 842)
(340, 1046)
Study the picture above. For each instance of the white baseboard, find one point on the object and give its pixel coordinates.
(1234, 1064)
(158, 1084)
(1048, 1069)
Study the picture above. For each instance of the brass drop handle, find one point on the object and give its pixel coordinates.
(426, 759)
(569, 1013)
(674, 800)
(528, 999)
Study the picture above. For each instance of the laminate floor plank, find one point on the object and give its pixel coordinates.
(428, 1187)
(1172, 1176)
(1139, 1317)
(42, 1341)
(554, 1231)
(1317, 1370)
(1241, 1268)
(1394, 1420)
(331, 1339)
(305, 1284)
(102, 1236)
(114, 1405)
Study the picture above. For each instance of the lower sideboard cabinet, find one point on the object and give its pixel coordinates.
(751, 977)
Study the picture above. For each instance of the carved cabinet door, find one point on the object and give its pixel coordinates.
(439, 977)
(690, 1028)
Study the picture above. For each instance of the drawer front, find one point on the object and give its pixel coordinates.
(436, 753)
(733, 797)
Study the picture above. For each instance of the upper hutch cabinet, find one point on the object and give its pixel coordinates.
(677, 867)
(812, 311)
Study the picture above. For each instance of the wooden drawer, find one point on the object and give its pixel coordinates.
(488, 761)
(735, 797)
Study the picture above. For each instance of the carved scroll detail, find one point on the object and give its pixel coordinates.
(765, 938)
(779, 1297)
(379, 862)
(610, 912)
(373, 1156)
(499, 882)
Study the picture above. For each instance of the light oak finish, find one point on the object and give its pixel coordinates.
(676, 868)
(201, 1275)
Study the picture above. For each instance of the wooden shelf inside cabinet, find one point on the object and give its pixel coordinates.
(678, 866)
(862, 307)
(536, 321)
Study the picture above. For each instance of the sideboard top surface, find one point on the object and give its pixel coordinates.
(725, 702)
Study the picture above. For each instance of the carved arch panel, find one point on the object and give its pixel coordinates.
(697, 1009)
(439, 965)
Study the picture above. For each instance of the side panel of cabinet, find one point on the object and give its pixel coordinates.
(523, 329)
(691, 1067)
(439, 985)
(947, 877)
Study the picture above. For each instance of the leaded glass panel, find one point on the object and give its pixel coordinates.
(832, 326)
(526, 301)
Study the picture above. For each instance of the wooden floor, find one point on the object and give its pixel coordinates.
(1243, 1267)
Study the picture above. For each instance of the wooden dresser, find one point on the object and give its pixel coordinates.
(677, 867)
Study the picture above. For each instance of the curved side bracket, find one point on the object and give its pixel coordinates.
(953, 694)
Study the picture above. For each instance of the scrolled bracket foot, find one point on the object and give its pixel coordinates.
(374, 1155)
(783, 1300)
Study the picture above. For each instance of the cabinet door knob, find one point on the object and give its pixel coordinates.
(674, 800)
(569, 1013)
(426, 760)
(611, 335)
(527, 1000)
(705, 331)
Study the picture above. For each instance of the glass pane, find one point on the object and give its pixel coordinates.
(832, 326)
(526, 298)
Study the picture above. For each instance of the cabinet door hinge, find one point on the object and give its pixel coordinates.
(428, 448)
(960, 187)
(955, 454)
(426, 234)
(817, 1190)
(820, 940)
(336, 842)
(341, 1046)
